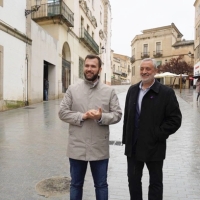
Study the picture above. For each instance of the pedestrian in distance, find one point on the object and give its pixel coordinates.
(198, 88)
(89, 107)
(46, 88)
(151, 115)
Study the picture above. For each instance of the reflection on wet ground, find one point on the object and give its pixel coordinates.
(33, 148)
(190, 96)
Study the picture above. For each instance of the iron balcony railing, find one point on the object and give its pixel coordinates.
(157, 53)
(66, 63)
(145, 55)
(124, 75)
(57, 8)
(88, 40)
(117, 72)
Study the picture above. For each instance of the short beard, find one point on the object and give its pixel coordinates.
(93, 78)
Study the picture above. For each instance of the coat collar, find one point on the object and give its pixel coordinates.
(155, 87)
(92, 85)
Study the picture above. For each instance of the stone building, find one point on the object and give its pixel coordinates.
(121, 69)
(49, 41)
(162, 44)
(197, 39)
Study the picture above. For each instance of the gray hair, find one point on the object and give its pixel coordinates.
(152, 60)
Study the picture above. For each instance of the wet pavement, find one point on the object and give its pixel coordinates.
(33, 148)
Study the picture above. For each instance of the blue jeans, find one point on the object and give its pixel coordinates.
(78, 170)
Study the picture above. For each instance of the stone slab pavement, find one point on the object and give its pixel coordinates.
(33, 148)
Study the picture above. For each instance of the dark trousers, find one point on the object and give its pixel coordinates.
(135, 172)
(198, 95)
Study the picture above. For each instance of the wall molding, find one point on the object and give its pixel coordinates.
(14, 32)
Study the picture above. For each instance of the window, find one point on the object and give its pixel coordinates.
(88, 28)
(100, 17)
(199, 10)
(93, 35)
(1, 72)
(145, 50)
(158, 47)
(133, 71)
(198, 52)
(198, 30)
(133, 52)
(158, 63)
(81, 63)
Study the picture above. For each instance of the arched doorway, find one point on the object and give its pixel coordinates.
(66, 67)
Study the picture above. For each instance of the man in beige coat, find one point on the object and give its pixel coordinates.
(89, 107)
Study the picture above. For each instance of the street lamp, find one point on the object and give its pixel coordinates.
(34, 8)
(191, 55)
(103, 49)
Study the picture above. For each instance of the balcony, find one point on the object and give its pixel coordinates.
(88, 41)
(117, 72)
(56, 11)
(124, 75)
(145, 55)
(157, 54)
(132, 59)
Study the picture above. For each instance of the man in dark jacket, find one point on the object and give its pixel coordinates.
(151, 114)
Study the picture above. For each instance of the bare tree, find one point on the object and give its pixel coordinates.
(176, 66)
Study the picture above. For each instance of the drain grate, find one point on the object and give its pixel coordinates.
(55, 186)
(117, 143)
(29, 108)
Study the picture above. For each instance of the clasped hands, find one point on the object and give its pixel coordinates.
(93, 114)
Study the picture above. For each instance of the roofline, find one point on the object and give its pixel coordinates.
(164, 27)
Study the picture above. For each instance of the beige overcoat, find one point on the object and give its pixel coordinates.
(89, 139)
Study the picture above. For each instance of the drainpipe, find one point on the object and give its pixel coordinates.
(26, 99)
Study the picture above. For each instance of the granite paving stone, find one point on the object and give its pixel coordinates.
(33, 148)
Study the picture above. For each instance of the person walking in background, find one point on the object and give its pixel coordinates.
(89, 107)
(151, 114)
(198, 88)
(46, 88)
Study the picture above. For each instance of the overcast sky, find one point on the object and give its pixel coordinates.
(130, 17)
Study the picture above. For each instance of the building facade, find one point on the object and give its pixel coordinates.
(52, 41)
(13, 41)
(121, 69)
(162, 44)
(197, 39)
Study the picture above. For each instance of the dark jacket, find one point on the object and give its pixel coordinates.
(160, 117)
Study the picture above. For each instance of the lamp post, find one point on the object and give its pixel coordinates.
(191, 55)
(103, 50)
(35, 8)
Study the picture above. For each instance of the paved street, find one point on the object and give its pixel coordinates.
(33, 148)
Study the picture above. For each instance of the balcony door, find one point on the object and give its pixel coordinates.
(158, 47)
(145, 50)
(66, 67)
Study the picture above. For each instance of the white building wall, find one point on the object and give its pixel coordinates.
(108, 49)
(44, 48)
(14, 53)
(13, 67)
(13, 13)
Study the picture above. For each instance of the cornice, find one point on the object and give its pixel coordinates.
(87, 11)
(162, 28)
(14, 32)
